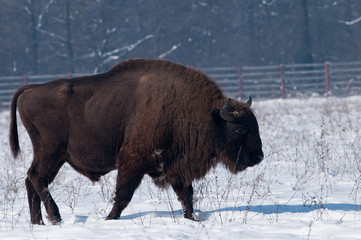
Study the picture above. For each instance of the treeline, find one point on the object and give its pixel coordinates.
(60, 36)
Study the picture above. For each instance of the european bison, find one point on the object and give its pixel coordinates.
(142, 117)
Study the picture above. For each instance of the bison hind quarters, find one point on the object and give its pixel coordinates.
(65, 92)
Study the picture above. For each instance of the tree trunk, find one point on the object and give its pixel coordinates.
(254, 58)
(304, 53)
(34, 39)
(68, 38)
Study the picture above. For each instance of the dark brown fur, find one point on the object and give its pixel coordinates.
(142, 117)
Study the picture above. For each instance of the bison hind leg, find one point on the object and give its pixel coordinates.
(40, 174)
(34, 203)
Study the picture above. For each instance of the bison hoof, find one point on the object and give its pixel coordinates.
(56, 221)
(38, 222)
(115, 212)
(113, 216)
(192, 217)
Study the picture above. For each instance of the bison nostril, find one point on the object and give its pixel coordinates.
(259, 158)
(255, 160)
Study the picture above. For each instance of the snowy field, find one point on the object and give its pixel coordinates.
(307, 187)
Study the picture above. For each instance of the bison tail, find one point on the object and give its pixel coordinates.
(13, 131)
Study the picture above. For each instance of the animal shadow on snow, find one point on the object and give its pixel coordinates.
(265, 209)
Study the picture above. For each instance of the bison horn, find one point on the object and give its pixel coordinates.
(249, 102)
(227, 116)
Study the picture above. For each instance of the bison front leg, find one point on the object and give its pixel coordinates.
(185, 196)
(128, 179)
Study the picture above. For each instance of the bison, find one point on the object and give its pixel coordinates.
(142, 117)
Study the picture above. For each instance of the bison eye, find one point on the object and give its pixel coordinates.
(241, 131)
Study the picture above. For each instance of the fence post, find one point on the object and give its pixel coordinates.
(282, 71)
(25, 78)
(240, 83)
(326, 79)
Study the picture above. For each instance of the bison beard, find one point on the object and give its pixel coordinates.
(142, 117)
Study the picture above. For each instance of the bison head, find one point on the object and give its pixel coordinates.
(237, 139)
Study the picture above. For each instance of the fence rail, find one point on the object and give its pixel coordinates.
(263, 82)
(289, 80)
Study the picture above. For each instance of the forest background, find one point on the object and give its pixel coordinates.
(83, 36)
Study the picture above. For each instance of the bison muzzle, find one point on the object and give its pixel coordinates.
(142, 117)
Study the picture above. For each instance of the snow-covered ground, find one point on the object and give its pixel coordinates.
(307, 187)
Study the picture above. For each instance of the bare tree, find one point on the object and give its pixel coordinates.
(304, 53)
(34, 36)
(82, 36)
(68, 40)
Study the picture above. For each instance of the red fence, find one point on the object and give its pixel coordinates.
(264, 82)
(288, 81)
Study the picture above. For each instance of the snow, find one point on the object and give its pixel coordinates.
(351, 22)
(307, 187)
(170, 51)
